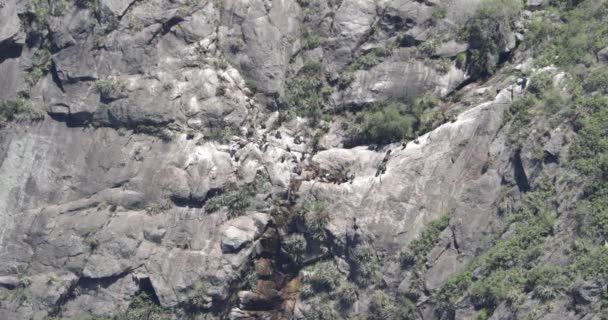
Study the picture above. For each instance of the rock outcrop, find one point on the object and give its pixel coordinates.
(192, 160)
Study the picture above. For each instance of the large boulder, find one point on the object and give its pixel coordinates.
(242, 231)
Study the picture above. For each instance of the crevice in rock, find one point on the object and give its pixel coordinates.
(188, 202)
(73, 120)
(55, 76)
(461, 86)
(192, 202)
(129, 7)
(550, 158)
(10, 51)
(519, 173)
(454, 240)
(165, 28)
(145, 285)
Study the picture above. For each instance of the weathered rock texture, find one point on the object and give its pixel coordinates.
(111, 194)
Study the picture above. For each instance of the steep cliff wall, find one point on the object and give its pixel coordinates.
(302, 159)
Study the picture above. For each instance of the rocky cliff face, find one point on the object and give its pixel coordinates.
(195, 159)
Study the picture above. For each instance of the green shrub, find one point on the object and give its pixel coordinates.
(439, 12)
(364, 62)
(502, 10)
(365, 265)
(384, 126)
(461, 60)
(452, 290)
(444, 65)
(252, 86)
(143, 306)
(324, 277)
(346, 78)
(322, 310)
(502, 285)
(310, 40)
(348, 295)
(385, 123)
(541, 85)
(589, 155)
(539, 30)
(506, 272)
(237, 200)
(384, 307)
(304, 93)
(590, 148)
(111, 89)
(519, 112)
(221, 135)
(159, 207)
(294, 246)
(577, 40)
(482, 315)
(19, 110)
(429, 47)
(41, 64)
(38, 20)
(154, 130)
(597, 80)
(592, 264)
(420, 247)
(486, 34)
(546, 282)
(316, 217)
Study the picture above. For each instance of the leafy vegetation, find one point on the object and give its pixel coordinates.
(316, 217)
(506, 271)
(511, 270)
(365, 269)
(366, 61)
(311, 40)
(387, 123)
(37, 17)
(327, 290)
(304, 94)
(237, 199)
(159, 207)
(322, 310)
(487, 34)
(144, 306)
(582, 33)
(417, 252)
(439, 12)
(19, 110)
(221, 135)
(322, 277)
(154, 130)
(111, 89)
(383, 126)
(542, 98)
(421, 246)
(40, 65)
(428, 47)
(348, 295)
(384, 307)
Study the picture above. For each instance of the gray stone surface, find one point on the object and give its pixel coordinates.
(158, 109)
(243, 230)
